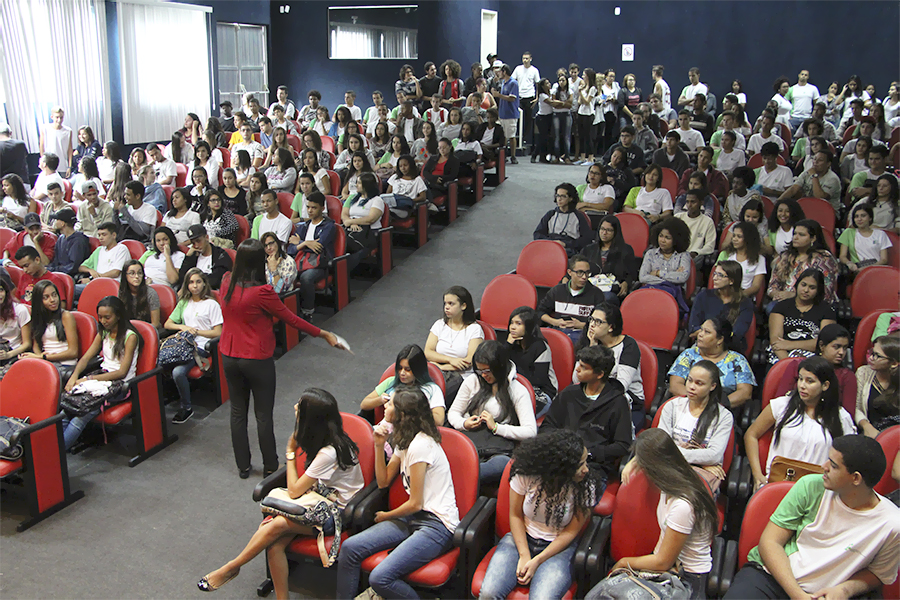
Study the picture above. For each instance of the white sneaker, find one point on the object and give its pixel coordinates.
(369, 594)
(432, 208)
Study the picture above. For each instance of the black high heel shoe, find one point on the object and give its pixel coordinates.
(244, 473)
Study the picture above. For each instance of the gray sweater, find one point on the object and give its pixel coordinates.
(668, 269)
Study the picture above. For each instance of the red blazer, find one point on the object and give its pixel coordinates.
(247, 329)
(48, 244)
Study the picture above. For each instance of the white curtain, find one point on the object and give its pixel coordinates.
(352, 41)
(53, 53)
(164, 52)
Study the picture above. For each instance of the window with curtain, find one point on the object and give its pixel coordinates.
(164, 53)
(54, 53)
(243, 59)
(373, 32)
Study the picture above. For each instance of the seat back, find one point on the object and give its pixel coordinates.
(660, 331)
(434, 372)
(527, 385)
(20, 398)
(94, 292)
(649, 373)
(635, 232)
(894, 250)
(87, 330)
(489, 333)
(284, 203)
(243, 232)
(562, 355)
(862, 340)
(890, 443)
(335, 181)
(542, 262)
(180, 175)
(294, 143)
(774, 377)
(756, 516)
(819, 210)
(67, 187)
(334, 206)
(167, 300)
(167, 190)
(328, 143)
(15, 273)
(360, 431)
(634, 526)
(504, 294)
(717, 211)
(690, 286)
(670, 181)
(501, 518)
(226, 157)
(332, 158)
(756, 161)
(768, 205)
(135, 248)
(875, 288)
(67, 289)
(6, 234)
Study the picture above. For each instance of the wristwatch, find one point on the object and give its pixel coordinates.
(289, 455)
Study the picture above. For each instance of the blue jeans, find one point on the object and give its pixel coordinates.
(180, 375)
(562, 131)
(307, 281)
(612, 298)
(416, 540)
(551, 580)
(73, 427)
(491, 470)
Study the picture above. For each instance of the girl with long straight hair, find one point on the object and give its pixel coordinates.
(234, 196)
(453, 339)
(359, 163)
(163, 260)
(611, 256)
(248, 345)
(141, 301)
(795, 323)
(530, 353)
(54, 332)
(15, 323)
(410, 369)
(330, 462)
(745, 248)
(725, 299)
(587, 99)
(220, 222)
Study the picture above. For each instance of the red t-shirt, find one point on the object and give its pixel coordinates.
(48, 244)
(439, 168)
(26, 284)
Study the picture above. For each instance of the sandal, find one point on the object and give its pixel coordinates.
(206, 586)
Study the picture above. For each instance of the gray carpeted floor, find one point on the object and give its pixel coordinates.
(152, 531)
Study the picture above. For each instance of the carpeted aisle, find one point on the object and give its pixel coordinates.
(154, 530)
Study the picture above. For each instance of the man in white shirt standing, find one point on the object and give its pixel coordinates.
(695, 87)
(527, 76)
(253, 148)
(661, 87)
(802, 96)
(290, 111)
(57, 139)
(165, 168)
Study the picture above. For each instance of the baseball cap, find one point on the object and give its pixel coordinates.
(66, 215)
(89, 185)
(497, 64)
(5, 128)
(226, 103)
(196, 231)
(32, 219)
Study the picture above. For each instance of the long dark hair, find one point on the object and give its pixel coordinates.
(888, 400)
(752, 241)
(463, 295)
(554, 458)
(19, 194)
(319, 424)
(815, 230)
(418, 364)
(366, 168)
(123, 325)
(734, 272)
(666, 468)
(89, 166)
(616, 246)
(431, 141)
(41, 317)
(827, 411)
(710, 412)
(412, 415)
(370, 185)
(177, 138)
(493, 354)
(136, 304)
(249, 266)
(8, 309)
(894, 196)
(532, 323)
(820, 282)
(173, 243)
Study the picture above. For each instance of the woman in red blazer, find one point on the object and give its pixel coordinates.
(248, 345)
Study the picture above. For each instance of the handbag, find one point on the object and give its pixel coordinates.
(359, 240)
(177, 349)
(788, 469)
(79, 402)
(9, 426)
(310, 260)
(312, 509)
(488, 444)
(627, 584)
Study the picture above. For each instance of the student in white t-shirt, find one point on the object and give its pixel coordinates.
(686, 513)
(805, 421)
(165, 168)
(410, 369)
(596, 195)
(49, 165)
(407, 181)
(419, 530)
(653, 202)
(180, 218)
(163, 260)
(551, 493)
(862, 245)
(331, 461)
(745, 248)
(765, 135)
(453, 339)
(58, 139)
(771, 178)
(272, 219)
(361, 217)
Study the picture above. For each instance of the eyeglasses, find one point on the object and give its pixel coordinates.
(580, 273)
(717, 275)
(482, 371)
(872, 355)
(593, 321)
(563, 196)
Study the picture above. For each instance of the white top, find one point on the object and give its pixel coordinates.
(703, 232)
(692, 90)
(869, 248)
(164, 170)
(51, 344)
(677, 514)
(757, 140)
(57, 141)
(112, 260)
(212, 169)
(543, 107)
(14, 207)
(488, 137)
(370, 128)
(654, 202)
(666, 93)
(355, 111)
(180, 225)
(253, 148)
(599, 195)
(106, 168)
(111, 362)
(187, 153)
(742, 98)
(324, 468)
(591, 95)
(527, 78)
(780, 179)
(361, 211)
(474, 146)
(452, 343)
(11, 330)
(407, 187)
(155, 266)
(439, 497)
(204, 263)
(611, 93)
(784, 108)
(783, 239)
(44, 179)
(691, 138)
(281, 226)
(729, 161)
(751, 270)
(803, 97)
(536, 518)
(146, 213)
(203, 315)
(527, 427)
(676, 420)
(803, 439)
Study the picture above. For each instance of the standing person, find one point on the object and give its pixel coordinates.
(563, 102)
(421, 528)
(508, 105)
(552, 490)
(247, 345)
(430, 84)
(608, 101)
(694, 88)
(661, 87)
(58, 139)
(13, 154)
(527, 76)
(802, 96)
(629, 98)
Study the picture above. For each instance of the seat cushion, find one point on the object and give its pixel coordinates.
(434, 574)
(604, 508)
(114, 415)
(519, 592)
(195, 373)
(306, 545)
(439, 200)
(8, 467)
(407, 223)
(466, 181)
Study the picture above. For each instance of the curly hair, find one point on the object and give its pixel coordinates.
(412, 416)
(554, 458)
(678, 229)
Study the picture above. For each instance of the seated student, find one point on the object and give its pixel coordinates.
(780, 231)
(531, 355)
(137, 219)
(691, 138)
(32, 236)
(371, 113)
(596, 195)
(411, 370)
(118, 343)
(633, 153)
(696, 181)
(885, 202)
(180, 217)
(861, 245)
(200, 315)
(55, 202)
(744, 248)
(48, 164)
(702, 228)
(864, 183)
(567, 306)
(807, 251)
(355, 143)
(832, 344)
(834, 511)
(220, 223)
(713, 342)
(716, 182)
(644, 138)
(493, 401)
(877, 386)
(282, 175)
(342, 119)
(772, 179)
(803, 151)
(726, 158)
(272, 219)
(279, 121)
(16, 202)
(436, 115)
(421, 528)
(652, 200)
(165, 168)
(29, 261)
(551, 492)
(331, 462)
(452, 126)
(15, 324)
(662, 111)
(359, 163)
(805, 421)
(198, 191)
(71, 247)
(686, 514)
(596, 408)
(795, 321)
(311, 165)
(441, 169)
(387, 166)
(93, 212)
(701, 120)
(380, 138)
(266, 133)
(619, 175)
(741, 193)
(106, 261)
(54, 333)
(667, 264)
(179, 150)
(671, 155)
(613, 266)
(234, 196)
(243, 168)
(322, 124)
(725, 299)
(361, 218)
(249, 145)
(765, 136)
(728, 125)
(468, 150)
(140, 299)
(405, 187)
(314, 239)
(351, 129)
(163, 259)
(154, 194)
(604, 328)
(453, 339)
(564, 223)
(281, 270)
(490, 134)
(818, 182)
(210, 259)
(306, 185)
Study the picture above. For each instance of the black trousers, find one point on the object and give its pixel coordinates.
(527, 106)
(752, 583)
(245, 375)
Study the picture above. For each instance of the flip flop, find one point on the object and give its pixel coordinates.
(206, 586)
